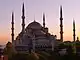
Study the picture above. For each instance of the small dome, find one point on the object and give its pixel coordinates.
(34, 25)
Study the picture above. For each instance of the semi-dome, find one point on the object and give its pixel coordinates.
(34, 25)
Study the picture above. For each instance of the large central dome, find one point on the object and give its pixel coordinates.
(34, 25)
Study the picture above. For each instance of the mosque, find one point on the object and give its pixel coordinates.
(35, 36)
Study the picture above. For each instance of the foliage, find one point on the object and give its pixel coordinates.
(9, 50)
(20, 56)
(40, 55)
(33, 56)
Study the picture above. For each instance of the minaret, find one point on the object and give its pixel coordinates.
(43, 20)
(12, 27)
(61, 24)
(74, 30)
(23, 19)
(74, 35)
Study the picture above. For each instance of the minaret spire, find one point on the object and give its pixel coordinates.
(12, 26)
(61, 24)
(74, 30)
(43, 20)
(74, 35)
(23, 19)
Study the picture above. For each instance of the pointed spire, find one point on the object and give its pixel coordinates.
(12, 16)
(61, 12)
(74, 23)
(23, 18)
(23, 10)
(74, 30)
(43, 20)
(61, 24)
(12, 26)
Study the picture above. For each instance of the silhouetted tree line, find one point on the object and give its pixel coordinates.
(41, 55)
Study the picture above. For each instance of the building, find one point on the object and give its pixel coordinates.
(34, 37)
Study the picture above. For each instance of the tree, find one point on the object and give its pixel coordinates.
(9, 50)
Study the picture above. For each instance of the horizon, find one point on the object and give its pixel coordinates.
(35, 9)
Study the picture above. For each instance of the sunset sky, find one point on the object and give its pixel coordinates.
(35, 8)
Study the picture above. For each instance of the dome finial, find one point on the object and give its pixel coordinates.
(34, 18)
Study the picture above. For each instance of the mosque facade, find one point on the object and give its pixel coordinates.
(34, 37)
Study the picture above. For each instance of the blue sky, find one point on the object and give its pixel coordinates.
(35, 8)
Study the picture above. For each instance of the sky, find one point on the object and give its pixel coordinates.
(34, 10)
